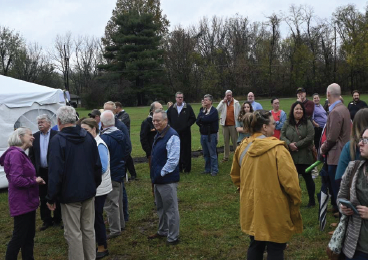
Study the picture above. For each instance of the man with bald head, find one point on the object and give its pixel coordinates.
(338, 128)
(255, 105)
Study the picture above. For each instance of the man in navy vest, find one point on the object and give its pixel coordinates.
(165, 177)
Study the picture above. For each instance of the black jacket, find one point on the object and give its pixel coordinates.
(208, 123)
(147, 135)
(124, 117)
(183, 121)
(354, 107)
(35, 151)
(74, 166)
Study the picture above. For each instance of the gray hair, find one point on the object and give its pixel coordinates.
(66, 115)
(179, 93)
(111, 104)
(334, 90)
(209, 97)
(163, 113)
(44, 117)
(14, 138)
(153, 105)
(107, 118)
(228, 91)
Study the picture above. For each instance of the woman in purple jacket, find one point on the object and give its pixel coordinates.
(22, 193)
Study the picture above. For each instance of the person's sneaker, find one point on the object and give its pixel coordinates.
(214, 174)
(173, 243)
(154, 236)
(45, 226)
(100, 255)
(133, 177)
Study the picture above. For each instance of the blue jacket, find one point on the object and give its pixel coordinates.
(116, 141)
(74, 166)
(345, 159)
(159, 158)
(208, 124)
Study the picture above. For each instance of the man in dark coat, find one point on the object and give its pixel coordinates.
(38, 155)
(181, 117)
(123, 116)
(75, 171)
(355, 105)
(148, 131)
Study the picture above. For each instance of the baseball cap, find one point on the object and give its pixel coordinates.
(94, 112)
(300, 90)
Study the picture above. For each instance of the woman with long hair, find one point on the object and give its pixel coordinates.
(245, 108)
(264, 173)
(350, 151)
(298, 133)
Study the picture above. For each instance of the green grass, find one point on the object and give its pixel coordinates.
(209, 209)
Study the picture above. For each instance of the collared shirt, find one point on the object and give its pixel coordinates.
(333, 105)
(179, 107)
(319, 115)
(256, 106)
(173, 155)
(44, 145)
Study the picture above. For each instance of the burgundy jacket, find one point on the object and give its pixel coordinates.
(338, 128)
(21, 175)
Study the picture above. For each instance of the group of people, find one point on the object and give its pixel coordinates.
(78, 172)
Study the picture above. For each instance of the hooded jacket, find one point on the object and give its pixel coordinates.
(74, 166)
(270, 195)
(116, 142)
(21, 175)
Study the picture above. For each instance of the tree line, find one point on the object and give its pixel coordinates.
(139, 60)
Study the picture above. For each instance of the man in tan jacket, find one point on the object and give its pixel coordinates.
(338, 128)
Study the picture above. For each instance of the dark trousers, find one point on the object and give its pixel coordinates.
(125, 203)
(100, 228)
(358, 256)
(311, 188)
(275, 251)
(185, 161)
(23, 237)
(44, 210)
(335, 186)
(129, 166)
(317, 136)
(326, 185)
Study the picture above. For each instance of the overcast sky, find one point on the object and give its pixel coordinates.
(41, 20)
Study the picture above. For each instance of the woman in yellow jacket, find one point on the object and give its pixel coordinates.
(264, 172)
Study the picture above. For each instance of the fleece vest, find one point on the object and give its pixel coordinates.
(105, 186)
(159, 158)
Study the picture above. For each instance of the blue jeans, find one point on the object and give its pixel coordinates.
(359, 256)
(209, 143)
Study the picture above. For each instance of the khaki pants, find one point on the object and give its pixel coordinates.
(229, 132)
(114, 208)
(79, 231)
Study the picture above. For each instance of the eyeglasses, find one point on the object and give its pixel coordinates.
(179, 97)
(364, 140)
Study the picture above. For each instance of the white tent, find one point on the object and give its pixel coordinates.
(20, 103)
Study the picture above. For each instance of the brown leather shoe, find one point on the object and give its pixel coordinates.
(154, 236)
(331, 233)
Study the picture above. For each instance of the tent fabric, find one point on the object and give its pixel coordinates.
(18, 93)
(20, 104)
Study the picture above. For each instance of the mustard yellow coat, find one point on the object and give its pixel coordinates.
(270, 194)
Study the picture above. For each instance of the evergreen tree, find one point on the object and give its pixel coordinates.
(134, 54)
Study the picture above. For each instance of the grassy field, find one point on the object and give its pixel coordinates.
(208, 206)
